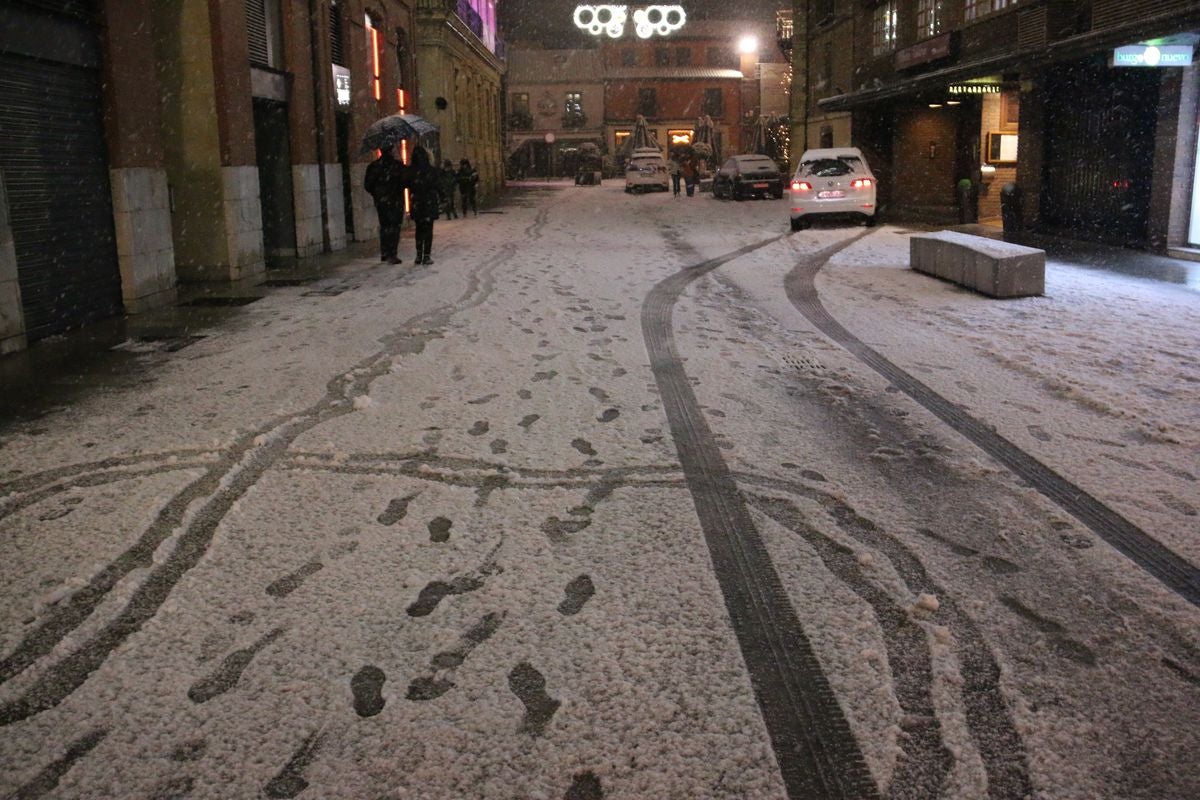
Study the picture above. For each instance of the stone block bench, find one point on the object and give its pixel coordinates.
(989, 266)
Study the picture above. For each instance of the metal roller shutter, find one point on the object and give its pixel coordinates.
(54, 166)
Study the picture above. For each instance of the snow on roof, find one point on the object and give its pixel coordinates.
(670, 73)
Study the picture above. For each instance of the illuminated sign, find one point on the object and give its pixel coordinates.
(341, 85)
(974, 88)
(1148, 55)
(679, 137)
(610, 20)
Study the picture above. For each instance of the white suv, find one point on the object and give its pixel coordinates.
(832, 181)
(647, 169)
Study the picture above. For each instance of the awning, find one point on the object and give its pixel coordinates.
(1073, 47)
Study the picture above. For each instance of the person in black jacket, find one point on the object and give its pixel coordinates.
(425, 195)
(385, 182)
(468, 179)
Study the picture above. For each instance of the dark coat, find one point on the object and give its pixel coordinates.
(385, 181)
(423, 186)
(468, 177)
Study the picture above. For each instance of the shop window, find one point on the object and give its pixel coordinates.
(662, 57)
(573, 116)
(683, 56)
(647, 102)
(931, 18)
(883, 28)
(619, 138)
(679, 138)
(628, 57)
(1010, 110)
(520, 118)
(714, 103)
(264, 33)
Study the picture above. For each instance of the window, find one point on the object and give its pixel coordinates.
(883, 28)
(662, 57)
(628, 57)
(337, 36)
(826, 81)
(683, 56)
(264, 32)
(573, 116)
(975, 9)
(677, 138)
(931, 18)
(520, 102)
(647, 102)
(619, 138)
(722, 57)
(714, 103)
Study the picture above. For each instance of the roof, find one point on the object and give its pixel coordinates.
(670, 73)
(548, 66)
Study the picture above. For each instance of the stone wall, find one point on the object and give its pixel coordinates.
(145, 249)
(12, 318)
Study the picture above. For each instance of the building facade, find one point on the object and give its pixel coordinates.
(461, 58)
(555, 104)
(1088, 107)
(148, 144)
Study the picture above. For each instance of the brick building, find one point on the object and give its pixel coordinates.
(1034, 92)
(144, 144)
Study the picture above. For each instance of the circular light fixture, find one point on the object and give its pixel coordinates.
(748, 45)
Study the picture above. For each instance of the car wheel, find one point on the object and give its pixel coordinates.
(798, 223)
(869, 221)
(736, 195)
(777, 195)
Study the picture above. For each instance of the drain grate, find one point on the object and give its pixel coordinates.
(159, 343)
(221, 301)
(287, 281)
(803, 362)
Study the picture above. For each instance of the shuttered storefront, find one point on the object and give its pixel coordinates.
(1099, 138)
(55, 166)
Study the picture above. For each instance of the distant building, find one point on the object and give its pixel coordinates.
(596, 93)
(1088, 107)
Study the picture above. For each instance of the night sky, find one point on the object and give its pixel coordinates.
(549, 22)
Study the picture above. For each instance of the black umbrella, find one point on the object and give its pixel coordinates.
(386, 133)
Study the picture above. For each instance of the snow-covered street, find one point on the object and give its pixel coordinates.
(623, 497)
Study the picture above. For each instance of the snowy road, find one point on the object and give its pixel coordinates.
(624, 497)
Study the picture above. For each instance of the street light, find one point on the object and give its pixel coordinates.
(748, 45)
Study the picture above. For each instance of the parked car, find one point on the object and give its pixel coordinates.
(646, 170)
(748, 176)
(832, 181)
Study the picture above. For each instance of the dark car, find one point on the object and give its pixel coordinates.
(741, 177)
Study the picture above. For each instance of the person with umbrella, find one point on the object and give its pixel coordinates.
(385, 182)
(424, 184)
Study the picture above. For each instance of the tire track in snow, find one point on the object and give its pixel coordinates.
(195, 512)
(1175, 572)
(818, 756)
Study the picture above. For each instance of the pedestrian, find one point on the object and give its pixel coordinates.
(673, 171)
(447, 180)
(468, 179)
(424, 188)
(689, 170)
(385, 182)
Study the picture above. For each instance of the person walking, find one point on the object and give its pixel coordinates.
(673, 171)
(689, 171)
(424, 186)
(385, 182)
(447, 180)
(468, 179)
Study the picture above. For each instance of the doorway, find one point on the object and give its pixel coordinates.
(275, 181)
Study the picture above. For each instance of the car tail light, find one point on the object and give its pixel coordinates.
(861, 183)
(801, 186)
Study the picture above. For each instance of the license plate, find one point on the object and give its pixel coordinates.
(761, 185)
(829, 195)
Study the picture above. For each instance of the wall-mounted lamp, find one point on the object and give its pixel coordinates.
(935, 105)
(987, 173)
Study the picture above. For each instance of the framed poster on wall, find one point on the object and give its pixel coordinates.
(1002, 148)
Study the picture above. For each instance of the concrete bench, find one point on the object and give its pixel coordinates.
(989, 266)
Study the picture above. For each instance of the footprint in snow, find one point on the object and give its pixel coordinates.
(396, 510)
(578, 592)
(290, 780)
(583, 446)
(499, 446)
(367, 687)
(435, 592)
(481, 400)
(439, 529)
(528, 420)
(584, 786)
(609, 415)
(289, 583)
(479, 428)
(529, 686)
(230, 672)
(544, 376)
